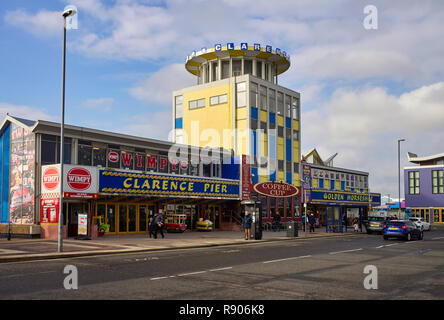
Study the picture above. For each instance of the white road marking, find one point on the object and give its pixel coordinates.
(285, 259)
(158, 278)
(345, 251)
(220, 269)
(436, 238)
(191, 273)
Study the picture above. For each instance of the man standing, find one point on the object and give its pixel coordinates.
(247, 225)
(312, 221)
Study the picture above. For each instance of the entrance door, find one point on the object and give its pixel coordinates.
(111, 217)
(74, 209)
(127, 218)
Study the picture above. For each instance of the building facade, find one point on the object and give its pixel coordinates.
(237, 104)
(335, 195)
(424, 187)
(122, 179)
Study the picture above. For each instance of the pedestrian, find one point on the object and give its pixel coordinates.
(247, 225)
(395, 217)
(159, 223)
(355, 224)
(152, 227)
(312, 221)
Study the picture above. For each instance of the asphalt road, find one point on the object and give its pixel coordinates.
(325, 268)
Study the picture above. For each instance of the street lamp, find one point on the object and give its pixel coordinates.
(399, 176)
(68, 12)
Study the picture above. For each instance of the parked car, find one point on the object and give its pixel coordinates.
(404, 229)
(421, 222)
(375, 224)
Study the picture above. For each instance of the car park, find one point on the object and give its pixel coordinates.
(375, 224)
(404, 229)
(421, 222)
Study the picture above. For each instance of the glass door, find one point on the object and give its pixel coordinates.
(111, 217)
(122, 218)
(132, 218)
(143, 219)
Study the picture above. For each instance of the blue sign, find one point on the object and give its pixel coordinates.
(244, 46)
(166, 185)
(345, 197)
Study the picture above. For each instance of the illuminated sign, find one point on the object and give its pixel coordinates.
(173, 185)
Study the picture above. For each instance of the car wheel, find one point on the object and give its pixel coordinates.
(386, 238)
(421, 235)
(409, 237)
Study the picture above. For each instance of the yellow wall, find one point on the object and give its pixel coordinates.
(205, 128)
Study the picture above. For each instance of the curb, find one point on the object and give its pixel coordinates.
(56, 256)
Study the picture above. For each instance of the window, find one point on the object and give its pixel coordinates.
(99, 157)
(259, 69)
(263, 97)
(179, 106)
(287, 106)
(437, 181)
(241, 89)
(237, 67)
(294, 108)
(215, 67)
(413, 182)
(295, 135)
(280, 103)
(85, 155)
(248, 67)
(253, 95)
(218, 99)
(272, 100)
(225, 69)
(51, 149)
(195, 104)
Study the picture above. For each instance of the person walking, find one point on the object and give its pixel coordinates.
(159, 223)
(152, 227)
(247, 225)
(355, 224)
(311, 221)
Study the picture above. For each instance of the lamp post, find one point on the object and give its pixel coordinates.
(66, 13)
(399, 176)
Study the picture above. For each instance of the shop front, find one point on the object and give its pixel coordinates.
(336, 210)
(125, 201)
(128, 200)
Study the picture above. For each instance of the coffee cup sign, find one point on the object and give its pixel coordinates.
(276, 189)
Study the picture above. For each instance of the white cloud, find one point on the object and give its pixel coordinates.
(155, 125)
(25, 112)
(363, 127)
(43, 23)
(158, 87)
(104, 104)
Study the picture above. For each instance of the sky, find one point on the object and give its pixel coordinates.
(361, 89)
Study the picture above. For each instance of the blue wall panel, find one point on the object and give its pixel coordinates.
(5, 176)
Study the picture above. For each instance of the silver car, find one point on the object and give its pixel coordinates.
(421, 223)
(375, 224)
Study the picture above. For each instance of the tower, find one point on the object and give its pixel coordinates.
(238, 105)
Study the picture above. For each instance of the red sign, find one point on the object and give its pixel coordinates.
(49, 209)
(51, 178)
(246, 178)
(113, 156)
(276, 189)
(79, 179)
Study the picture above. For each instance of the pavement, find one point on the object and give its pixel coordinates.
(18, 250)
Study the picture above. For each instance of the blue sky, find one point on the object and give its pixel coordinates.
(360, 89)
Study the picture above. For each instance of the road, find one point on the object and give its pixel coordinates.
(324, 268)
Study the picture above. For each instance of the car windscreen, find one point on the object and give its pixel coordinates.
(395, 223)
